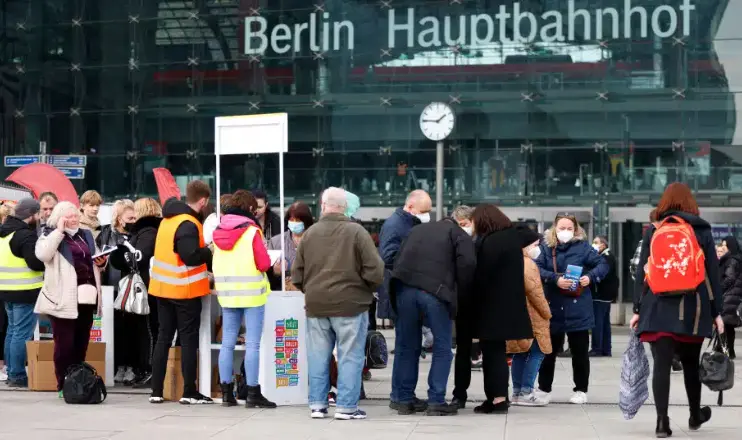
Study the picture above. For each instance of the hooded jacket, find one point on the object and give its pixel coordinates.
(187, 241)
(570, 314)
(143, 237)
(22, 245)
(230, 230)
(731, 282)
(682, 315)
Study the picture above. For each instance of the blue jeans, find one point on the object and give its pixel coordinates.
(415, 306)
(525, 369)
(21, 326)
(232, 321)
(602, 331)
(350, 335)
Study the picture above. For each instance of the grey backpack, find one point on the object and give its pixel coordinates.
(634, 390)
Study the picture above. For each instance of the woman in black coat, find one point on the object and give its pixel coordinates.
(678, 324)
(731, 285)
(499, 297)
(144, 329)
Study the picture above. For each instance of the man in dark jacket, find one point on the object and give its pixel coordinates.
(394, 231)
(731, 284)
(435, 265)
(176, 310)
(606, 293)
(21, 278)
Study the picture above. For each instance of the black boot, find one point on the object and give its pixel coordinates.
(228, 394)
(699, 418)
(255, 398)
(663, 427)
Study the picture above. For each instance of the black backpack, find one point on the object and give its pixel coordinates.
(376, 350)
(83, 386)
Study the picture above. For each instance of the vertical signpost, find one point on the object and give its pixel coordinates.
(283, 370)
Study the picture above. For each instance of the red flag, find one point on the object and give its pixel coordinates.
(166, 186)
(41, 177)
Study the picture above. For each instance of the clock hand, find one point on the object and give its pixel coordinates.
(431, 120)
(441, 118)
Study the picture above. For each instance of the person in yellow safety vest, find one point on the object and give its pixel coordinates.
(179, 278)
(21, 279)
(241, 284)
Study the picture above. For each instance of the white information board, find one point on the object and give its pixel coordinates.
(283, 350)
(246, 134)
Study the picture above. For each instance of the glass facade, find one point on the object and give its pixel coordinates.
(558, 102)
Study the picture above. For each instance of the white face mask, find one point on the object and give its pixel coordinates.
(596, 247)
(565, 236)
(71, 231)
(468, 229)
(424, 217)
(534, 252)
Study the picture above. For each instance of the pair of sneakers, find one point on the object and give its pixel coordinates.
(358, 414)
(541, 398)
(194, 399)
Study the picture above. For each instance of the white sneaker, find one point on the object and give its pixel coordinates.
(119, 377)
(4, 373)
(543, 396)
(579, 398)
(515, 400)
(129, 376)
(532, 400)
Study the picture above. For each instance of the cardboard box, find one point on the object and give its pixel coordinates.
(173, 387)
(41, 374)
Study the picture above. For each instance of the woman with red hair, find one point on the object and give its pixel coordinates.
(678, 323)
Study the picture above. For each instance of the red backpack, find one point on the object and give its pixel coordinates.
(676, 264)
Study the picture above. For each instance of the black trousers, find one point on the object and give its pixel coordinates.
(729, 332)
(183, 315)
(663, 350)
(466, 351)
(579, 344)
(494, 369)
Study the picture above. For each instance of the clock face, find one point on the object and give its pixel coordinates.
(437, 121)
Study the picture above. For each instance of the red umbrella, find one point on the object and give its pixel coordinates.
(166, 186)
(41, 177)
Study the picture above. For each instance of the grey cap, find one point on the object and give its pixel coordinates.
(26, 208)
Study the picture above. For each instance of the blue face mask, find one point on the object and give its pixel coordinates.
(296, 227)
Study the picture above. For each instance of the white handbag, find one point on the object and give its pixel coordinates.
(132, 292)
(132, 296)
(87, 294)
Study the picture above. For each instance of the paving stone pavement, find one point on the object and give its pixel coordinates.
(126, 415)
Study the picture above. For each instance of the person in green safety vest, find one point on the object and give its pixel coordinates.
(21, 278)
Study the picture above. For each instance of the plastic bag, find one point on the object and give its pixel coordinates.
(634, 390)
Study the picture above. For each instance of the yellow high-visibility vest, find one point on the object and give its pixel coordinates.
(14, 273)
(237, 281)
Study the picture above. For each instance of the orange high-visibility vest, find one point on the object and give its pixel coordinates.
(170, 277)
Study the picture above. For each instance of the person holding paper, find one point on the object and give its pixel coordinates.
(571, 301)
(299, 220)
(240, 263)
(71, 292)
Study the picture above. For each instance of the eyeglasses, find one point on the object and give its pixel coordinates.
(566, 215)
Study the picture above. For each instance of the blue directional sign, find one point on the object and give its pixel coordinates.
(73, 173)
(19, 161)
(58, 160)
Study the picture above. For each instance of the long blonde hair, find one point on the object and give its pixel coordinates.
(147, 207)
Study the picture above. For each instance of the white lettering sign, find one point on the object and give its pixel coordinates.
(405, 29)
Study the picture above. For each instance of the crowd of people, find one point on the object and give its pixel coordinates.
(498, 292)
